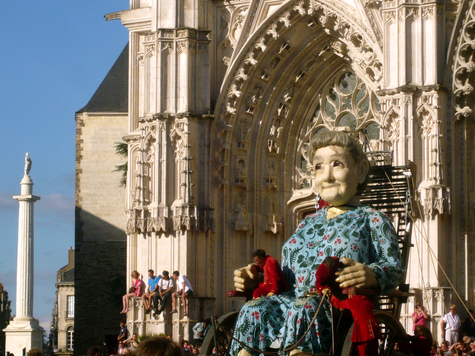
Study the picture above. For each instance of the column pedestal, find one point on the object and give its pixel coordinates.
(23, 333)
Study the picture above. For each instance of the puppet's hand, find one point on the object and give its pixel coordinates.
(356, 274)
(246, 278)
(270, 294)
(327, 292)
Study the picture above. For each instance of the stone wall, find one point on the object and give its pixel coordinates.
(65, 321)
(100, 238)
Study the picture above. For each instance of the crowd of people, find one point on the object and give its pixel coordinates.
(129, 345)
(152, 346)
(458, 336)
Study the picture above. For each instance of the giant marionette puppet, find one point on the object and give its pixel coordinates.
(363, 238)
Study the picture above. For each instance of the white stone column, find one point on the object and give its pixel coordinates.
(24, 331)
(25, 261)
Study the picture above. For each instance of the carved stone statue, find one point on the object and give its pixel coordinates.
(28, 164)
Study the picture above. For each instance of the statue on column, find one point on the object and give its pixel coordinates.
(28, 164)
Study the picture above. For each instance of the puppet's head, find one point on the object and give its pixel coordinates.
(341, 167)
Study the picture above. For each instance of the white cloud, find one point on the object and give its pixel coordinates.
(57, 202)
(7, 202)
(48, 203)
(56, 207)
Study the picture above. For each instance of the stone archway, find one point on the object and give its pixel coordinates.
(264, 117)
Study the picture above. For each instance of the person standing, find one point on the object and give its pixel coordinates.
(450, 325)
(164, 292)
(200, 330)
(184, 290)
(420, 316)
(122, 333)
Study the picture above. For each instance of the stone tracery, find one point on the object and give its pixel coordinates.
(272, 50)
(345, 102)
(464, 66)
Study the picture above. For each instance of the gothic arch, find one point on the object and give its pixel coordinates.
(270, 91)
(463, 64)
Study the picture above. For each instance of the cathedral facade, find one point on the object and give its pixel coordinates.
(224, 97)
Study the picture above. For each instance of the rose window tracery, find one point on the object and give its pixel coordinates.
(344, 103)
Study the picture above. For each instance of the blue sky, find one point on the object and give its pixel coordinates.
(54, 56)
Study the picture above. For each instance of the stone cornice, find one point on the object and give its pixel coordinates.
(411, 89)
(26, 197)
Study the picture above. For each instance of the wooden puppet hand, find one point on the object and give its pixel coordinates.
(246, 278)
(356, 274)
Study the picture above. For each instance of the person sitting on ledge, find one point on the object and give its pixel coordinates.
(165, 287)
(184, 290)
(135, 291)
(152, 290)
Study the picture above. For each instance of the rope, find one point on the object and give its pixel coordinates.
(270, 353)
(410, 182)
(431, 252)
(333, 330)
(433, 255)
(417, 244)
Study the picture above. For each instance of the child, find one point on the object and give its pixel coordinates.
(366, 330)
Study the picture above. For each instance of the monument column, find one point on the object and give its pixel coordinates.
(24, 331)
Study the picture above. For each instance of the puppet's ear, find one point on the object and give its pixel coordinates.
(363, 169)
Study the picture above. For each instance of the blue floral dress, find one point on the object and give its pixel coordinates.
(279, 321)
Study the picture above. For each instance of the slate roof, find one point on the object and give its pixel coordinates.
(112, 94)
(67, 276)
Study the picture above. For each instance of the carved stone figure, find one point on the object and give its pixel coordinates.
(28, 164)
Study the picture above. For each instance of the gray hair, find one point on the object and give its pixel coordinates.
(341, 139)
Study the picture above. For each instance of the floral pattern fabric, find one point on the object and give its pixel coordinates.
(279, 321)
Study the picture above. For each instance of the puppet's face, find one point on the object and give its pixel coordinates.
(337, 175)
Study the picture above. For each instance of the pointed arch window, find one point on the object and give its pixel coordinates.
(344, 103)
